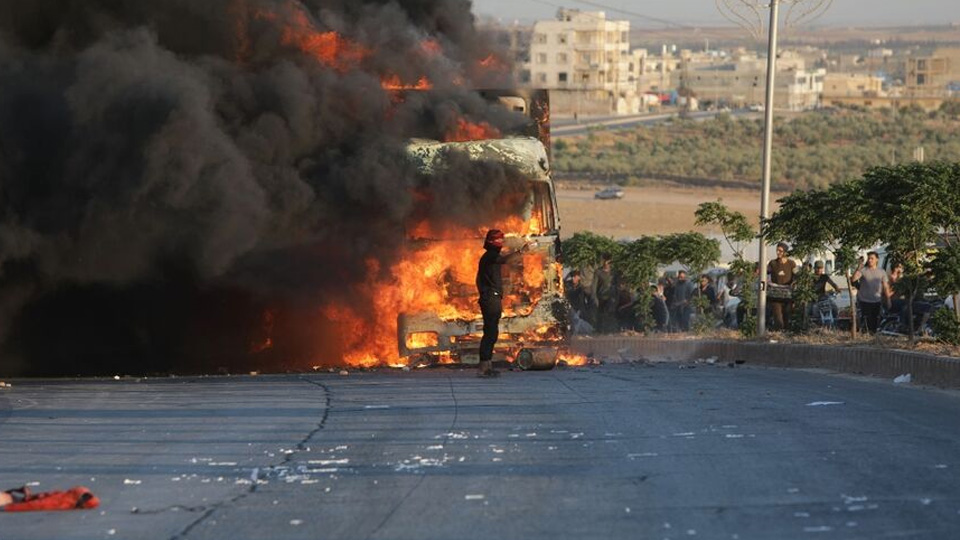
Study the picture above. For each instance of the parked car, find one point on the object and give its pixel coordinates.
(609, 193)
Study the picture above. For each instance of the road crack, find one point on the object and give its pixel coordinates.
(209, 510)
(446, 440)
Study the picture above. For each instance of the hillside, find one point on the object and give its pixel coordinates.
(811, 149)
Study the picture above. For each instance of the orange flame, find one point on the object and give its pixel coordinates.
(394, 83)
(468, 131)
(491, 62)
(572, 359)
(432, 277)
(328, 48)
(422, 340)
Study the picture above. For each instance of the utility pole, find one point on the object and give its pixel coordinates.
(767, 162)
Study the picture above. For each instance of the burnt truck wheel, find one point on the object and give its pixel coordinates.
(537, 359)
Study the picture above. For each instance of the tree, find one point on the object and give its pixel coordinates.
(585, 249)
(692, 250)
(738, 234)
(910, 205)
(951, 107)
(637, 266)
(945, 267)
(835, 219)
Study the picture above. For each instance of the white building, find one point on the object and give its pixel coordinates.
(742, 81)
(584, 54)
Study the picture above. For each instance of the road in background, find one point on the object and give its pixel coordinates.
(616, 451)
(567, 128)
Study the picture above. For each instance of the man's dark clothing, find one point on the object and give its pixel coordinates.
(781, 273)
(710, 293)
(660, 312)
(626, 311)
(489, 276)
(871, 314)
(490, 286)
(680, 304)
(607, 297)
(821, 285)
(578, 298)
(668, 292)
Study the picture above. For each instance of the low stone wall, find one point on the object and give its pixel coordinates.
(886, 363)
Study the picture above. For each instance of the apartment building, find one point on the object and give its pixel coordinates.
(581, 56)
(851, 85)
(654, 72)
(935, 75)
(741, 81)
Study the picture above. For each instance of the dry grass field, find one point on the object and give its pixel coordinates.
(646, 210)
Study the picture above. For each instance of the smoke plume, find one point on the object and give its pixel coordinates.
(174, 174)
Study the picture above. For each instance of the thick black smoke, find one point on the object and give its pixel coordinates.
(170, 169)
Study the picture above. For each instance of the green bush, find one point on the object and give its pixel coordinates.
(946, 326)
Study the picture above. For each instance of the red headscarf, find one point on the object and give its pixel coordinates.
(494, 239)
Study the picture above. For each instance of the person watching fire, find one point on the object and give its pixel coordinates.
(490, 287)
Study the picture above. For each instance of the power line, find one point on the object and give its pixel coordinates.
(632, 14)
(672, 25)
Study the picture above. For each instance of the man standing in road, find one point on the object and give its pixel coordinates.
(873, 286)
(781, 272)
(490, 287)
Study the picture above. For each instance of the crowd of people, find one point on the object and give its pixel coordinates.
(603, 304)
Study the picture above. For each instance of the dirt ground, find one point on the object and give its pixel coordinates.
(647, 210)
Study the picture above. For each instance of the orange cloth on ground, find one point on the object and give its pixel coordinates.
(75, 498)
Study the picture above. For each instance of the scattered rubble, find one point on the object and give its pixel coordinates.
(903, 379)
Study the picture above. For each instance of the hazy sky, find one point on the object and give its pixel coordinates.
(847, 12)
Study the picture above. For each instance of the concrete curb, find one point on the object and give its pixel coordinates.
(885, 363)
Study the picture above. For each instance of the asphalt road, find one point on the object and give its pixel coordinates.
(632, 121)
(616, 451)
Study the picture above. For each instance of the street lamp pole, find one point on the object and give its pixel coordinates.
(767, 159)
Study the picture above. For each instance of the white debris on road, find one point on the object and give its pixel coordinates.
(903, 379)
(328, 461)
(825, 403)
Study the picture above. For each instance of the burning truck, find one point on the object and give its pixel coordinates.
(433, 291)
(536, 314)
